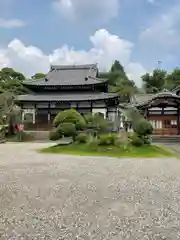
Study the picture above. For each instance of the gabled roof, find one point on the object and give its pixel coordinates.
(66, 97)
(145, 99)
(66, 75)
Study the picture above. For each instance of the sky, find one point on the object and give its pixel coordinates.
(138, 33)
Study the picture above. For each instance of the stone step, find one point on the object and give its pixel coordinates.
(39, 135)
(166, 139)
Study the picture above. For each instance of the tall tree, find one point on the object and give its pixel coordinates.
(38, 76)
(173, 79)
(11, 81)
(154, 82)
(9, 72)
(126, 89)
(118, 81)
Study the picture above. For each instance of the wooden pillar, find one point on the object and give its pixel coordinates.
(106, 104)
(178, 123)
(49, 114)
(91, 106)
(35, 115)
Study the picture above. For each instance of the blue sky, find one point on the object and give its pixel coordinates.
(136, 32)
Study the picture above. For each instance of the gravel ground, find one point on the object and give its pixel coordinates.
(72, 197)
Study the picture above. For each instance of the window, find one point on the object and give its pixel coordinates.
(170, 123)
(174, 123)
(167, 123)
(157, 124)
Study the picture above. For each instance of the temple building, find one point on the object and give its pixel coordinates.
(162, 110)
(66, 87)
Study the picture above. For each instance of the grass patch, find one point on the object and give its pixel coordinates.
(112, 151)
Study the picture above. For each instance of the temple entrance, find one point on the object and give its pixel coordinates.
(166, 126)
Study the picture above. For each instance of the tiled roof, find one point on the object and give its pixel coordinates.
(68, 75)
(142, 99)
(66, 97)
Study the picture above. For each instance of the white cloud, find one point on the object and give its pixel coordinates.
(101, 10)
(106, 48)
(11, 23)
(163, 32)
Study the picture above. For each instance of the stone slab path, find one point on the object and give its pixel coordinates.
(72, 197)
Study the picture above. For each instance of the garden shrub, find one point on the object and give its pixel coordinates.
(143, 128)
(82, 138)
(54, 135)
(108, 139)
(147, 140)
(70, 116)
(97, 123)
(93, 144)
(67, 130)
(137, 141)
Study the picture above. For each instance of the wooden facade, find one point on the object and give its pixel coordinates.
(67, 87)
(163, 111)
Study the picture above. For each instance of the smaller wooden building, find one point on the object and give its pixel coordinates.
(162, 110)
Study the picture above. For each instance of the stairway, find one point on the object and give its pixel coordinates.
(166, 139)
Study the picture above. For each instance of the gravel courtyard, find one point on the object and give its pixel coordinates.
(72, 197)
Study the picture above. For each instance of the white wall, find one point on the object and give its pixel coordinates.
(99, 110)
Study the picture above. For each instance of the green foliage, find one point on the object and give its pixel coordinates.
(154, 82)
(137, 141)
(82, 138)
(173, 79)
(10, 113)
(143, 128)
(11, 81)
(125, 88)
(108, 139)
(119, 82)
(70, 116)
(97, 123)
(54, 135)
(38, 76)
(147, 140)
(67, 129)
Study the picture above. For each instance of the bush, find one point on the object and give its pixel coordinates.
(82, 138)
(143, 128)
(54, 135)
(147, 140)
(93, 144)
(136, 141)
(67, 130)
(108, 139)
(97, 123)
(70, 116)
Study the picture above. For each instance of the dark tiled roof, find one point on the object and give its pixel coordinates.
(66, 97)
(68, 75)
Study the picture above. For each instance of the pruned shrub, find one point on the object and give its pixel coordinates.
(67, 130)
(108, 139)
(82, 138)
(97, 123)
(93, 144)
(70, 116)
(54, 135)
(147, 140)
(137, 141)
(143, 128)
